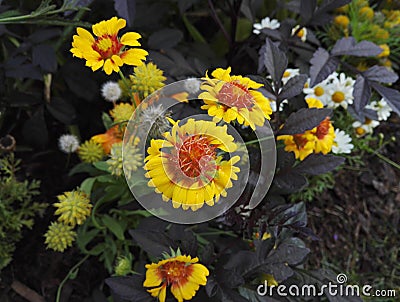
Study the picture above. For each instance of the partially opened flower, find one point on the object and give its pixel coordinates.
(185, 166)
(90, 152)
(106, 50)
(183, 274)
(59, 236)
(146, 79)
(106, 140)
(234, 98)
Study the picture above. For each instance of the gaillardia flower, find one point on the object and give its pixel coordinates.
(182, 273)
(59, 236)
(234, 98)
(186, 166)
(73, 207)
(301, 145)
(107, 50)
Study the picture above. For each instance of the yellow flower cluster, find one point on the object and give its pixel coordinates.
(73, 207)
(146, 79)
(122, 112)
(90, 152)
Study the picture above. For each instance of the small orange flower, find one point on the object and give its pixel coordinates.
(182, 273)
(112, 136)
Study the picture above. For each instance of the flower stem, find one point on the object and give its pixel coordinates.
(127, 86)
(258, 140)
(387, 160)
(71, 272)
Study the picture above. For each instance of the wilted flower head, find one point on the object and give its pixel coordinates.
(266, 23)
(68, 143)
(90, 151)
(73, 207)
(146, 79)
(111, 91)
(59, 236)
(123, 266)
(107, 50)
(155, 118)
(192, 85)
(182, 273)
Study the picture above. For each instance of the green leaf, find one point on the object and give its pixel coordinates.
(107, 121)
(84, 238)
(74, 274)
(196, 35)
(243, 30)
(114, 226)
(101, 165)
(83, 168)
(87, 185)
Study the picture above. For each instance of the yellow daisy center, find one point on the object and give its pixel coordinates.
(338, 97)
(300, 34)
(360, 131)
(107, 46)
(286, 74)
(318, 91)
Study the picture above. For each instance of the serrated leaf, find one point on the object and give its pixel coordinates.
(380, 74)
(114, 226)
(391, 96)
(275, 60)
(316, 164)
(165, 38)
(303, 120)
(126, 9)
(293, 87)
(322, 65)
(361, 93)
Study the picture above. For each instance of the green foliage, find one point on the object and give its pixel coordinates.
(316, 185)
(17, 207)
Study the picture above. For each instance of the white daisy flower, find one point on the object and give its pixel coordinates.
(342, 142)
(302, 33)
(319, 91)
(111, 91)
(266, 23)
(340, 91)
(366, 127)
(382, 109)
(68, 143)
(192, 85)
(289, 73)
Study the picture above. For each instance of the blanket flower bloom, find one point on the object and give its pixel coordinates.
(234, 98)
(301, 145)
(107, 50)
(109, 138)
(183, 273)
(73, 207)
(185, 166)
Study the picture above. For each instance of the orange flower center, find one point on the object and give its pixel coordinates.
(107, 46)
(318, 91)
(323, 128)
(338, 97)
(234, 94)
(196, 155)
(175, 272)
(360, 131)
(300, 140)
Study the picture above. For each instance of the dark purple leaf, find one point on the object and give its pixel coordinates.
(307, 8)
(44, 35)
(18, 68)
(316, 164)
(288, 183)
(293, 87)
(126, 9)
(35, 129)
(329, 5)
(62, 110)
(380, 74)
(165, 38)
(322, 65)
(44, 56)
(129, 288)
(275, 60)
(390, 95)
(155, 243)
(304, 119)
(348, 46)
(361, 93)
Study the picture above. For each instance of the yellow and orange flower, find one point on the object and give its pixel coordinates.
(324, 136)
(234, 98)
(182, 273)
(301, 145)
(106, 140)
(185, 167)
(107, 50)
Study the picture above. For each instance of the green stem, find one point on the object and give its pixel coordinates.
(127, 86)
(258, 140)
(387, 160)
(67, 277)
